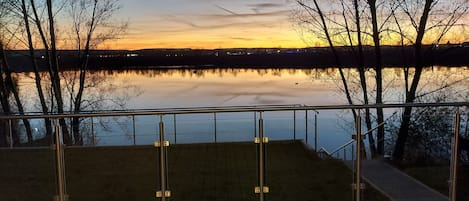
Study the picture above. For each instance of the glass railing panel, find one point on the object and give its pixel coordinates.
(295, 172)
(27, 170)
(193, 128)
(111, 173)
(423, 170)
(109, 131)
(147, 129)
(209, 171)
(462, 173)
(235, 127)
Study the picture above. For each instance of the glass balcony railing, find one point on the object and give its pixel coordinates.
(282, 152)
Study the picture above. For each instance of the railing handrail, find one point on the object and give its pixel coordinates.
(324, 150)
(349, 142)
(198, 110)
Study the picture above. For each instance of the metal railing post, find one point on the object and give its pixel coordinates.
(315, 131)
(306, 128)
(454, 159)
(255, 124)
(92, 132)
(261, 189)
(215, 126)
(357, 185)
(162, 145)
(10, 133)
(60, 166)
(174, 128)
(294, 124)
(133, 130)
(345, 154)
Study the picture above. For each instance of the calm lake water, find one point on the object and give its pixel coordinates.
(176, 88)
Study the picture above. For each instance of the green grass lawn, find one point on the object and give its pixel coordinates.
(223, 171)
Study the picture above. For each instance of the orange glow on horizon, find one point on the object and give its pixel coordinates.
(264, 39)
(135, 44)
(232, 24)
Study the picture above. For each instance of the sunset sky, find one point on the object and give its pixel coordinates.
(207, 24)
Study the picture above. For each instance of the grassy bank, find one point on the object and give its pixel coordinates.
(225, 171)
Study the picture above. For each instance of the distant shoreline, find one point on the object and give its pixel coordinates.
(393, 56)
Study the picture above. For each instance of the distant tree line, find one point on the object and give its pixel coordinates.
(316, 57)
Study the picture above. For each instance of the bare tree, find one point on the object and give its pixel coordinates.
(54, 70)
(4, 94)
(8, 83)
(92, 25)
(32, 54)
(379, 74)
(353, 42)
(361, 70)
(6, 108)
(423, 21)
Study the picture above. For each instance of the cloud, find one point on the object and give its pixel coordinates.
(266, 5)
(212, 26)
(259, 7)
(226, 10)
(211, 23)
(259, 14)
(241, 38)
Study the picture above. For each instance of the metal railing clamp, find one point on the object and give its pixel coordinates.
(158, 143)
(354, 137)
(362, 186)
(257, 140)
(159, 194)
(257, 189)
(57, 198)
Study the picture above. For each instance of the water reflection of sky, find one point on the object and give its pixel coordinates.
(238, 87)
(225, 87)
(241, 88)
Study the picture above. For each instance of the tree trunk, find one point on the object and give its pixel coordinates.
(3, 132)
(379, 77)
(55, 78)
(5, 107)
(47, 55)
(83, 68)
(361, 71)
(42, 100)
(9, 83)
(4, 94)
(410, 96)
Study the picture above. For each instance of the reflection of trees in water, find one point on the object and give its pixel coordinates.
(450, 80)
(101, 92)
(315, 73)
(430, 129)
(200, 73)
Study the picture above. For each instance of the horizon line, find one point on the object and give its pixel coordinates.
(189, 48)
